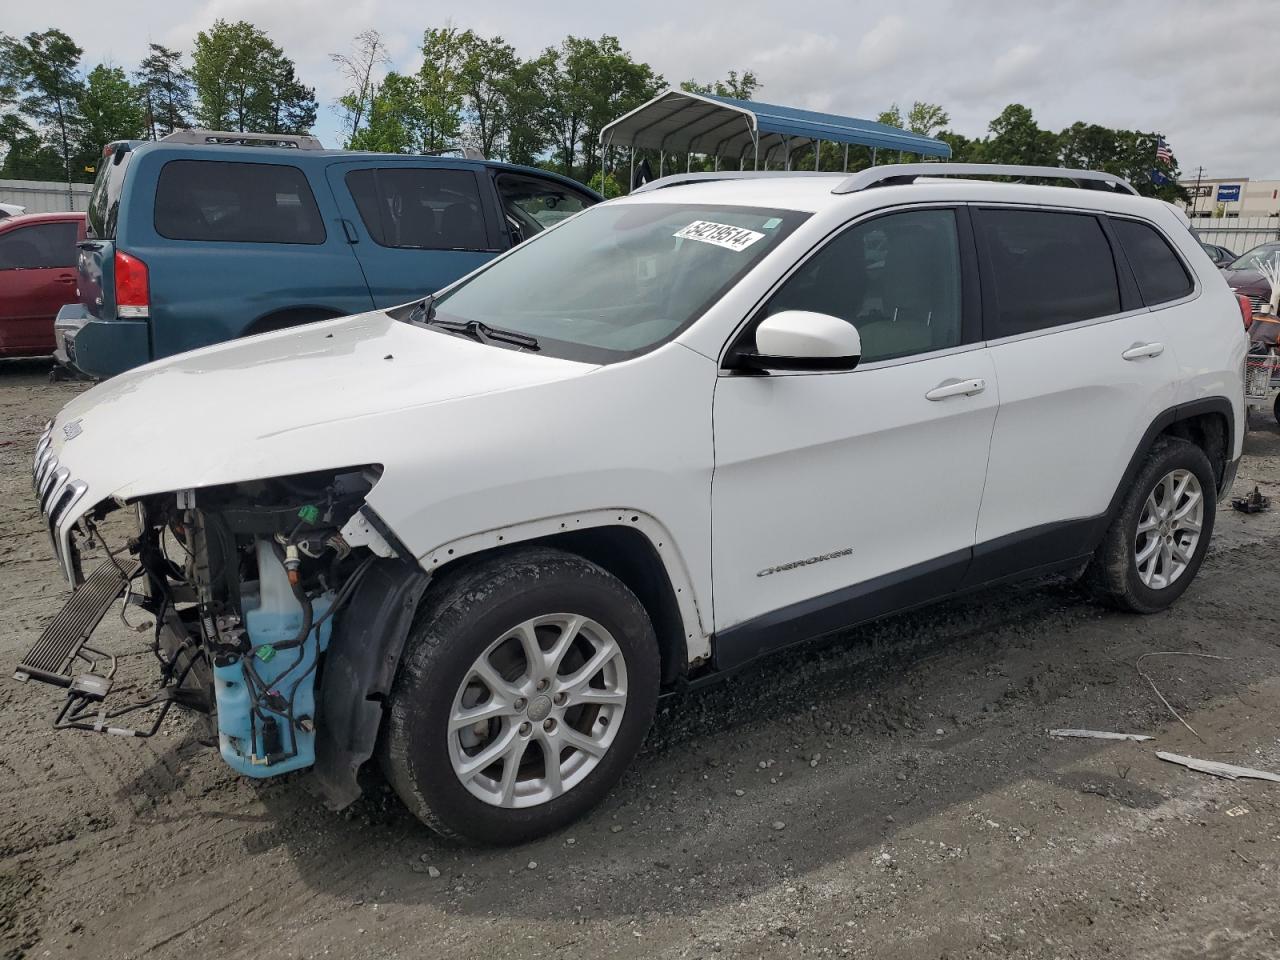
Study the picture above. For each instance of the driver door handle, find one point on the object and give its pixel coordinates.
(1140, 350)
(956, 388)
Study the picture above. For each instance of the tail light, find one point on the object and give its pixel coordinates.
(133, 289)
(1246, 309)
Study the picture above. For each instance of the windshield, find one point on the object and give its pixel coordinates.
(1248, 261)
(619, 279)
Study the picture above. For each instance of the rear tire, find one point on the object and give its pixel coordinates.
(1154, 547)
(527, 687)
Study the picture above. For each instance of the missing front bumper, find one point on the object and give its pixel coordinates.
(93, 702)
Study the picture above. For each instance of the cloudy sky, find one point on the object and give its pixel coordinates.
(1203, 73)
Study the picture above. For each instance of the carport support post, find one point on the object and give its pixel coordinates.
(631, 180)
(817, 153)
(662, 159)
(846, 158)
(873, 156)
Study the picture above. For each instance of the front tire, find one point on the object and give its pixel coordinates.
(1154, 547)
(527, 687)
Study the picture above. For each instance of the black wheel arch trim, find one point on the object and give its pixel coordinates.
(1166, 419)
(359, 668)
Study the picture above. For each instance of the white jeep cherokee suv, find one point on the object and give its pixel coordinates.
(480, 534)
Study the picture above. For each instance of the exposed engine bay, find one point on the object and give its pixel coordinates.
(245, 583)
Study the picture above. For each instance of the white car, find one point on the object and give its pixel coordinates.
(482, 533)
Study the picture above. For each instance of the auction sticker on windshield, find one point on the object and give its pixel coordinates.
(720, 234)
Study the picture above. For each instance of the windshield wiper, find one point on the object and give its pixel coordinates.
(423, 310)
(480, 332)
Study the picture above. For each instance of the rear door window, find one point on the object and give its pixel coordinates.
(39, 246)
(1043, 269)
(420, 208)
(236, 202)
(1160, 274)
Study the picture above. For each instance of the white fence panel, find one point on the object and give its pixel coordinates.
(1237, 233)
(45, 196)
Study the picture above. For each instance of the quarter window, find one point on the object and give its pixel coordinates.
(896, 278)
(236, 202)
(39, 246)
(420, 208)
(1160, 274)
(1046, 269)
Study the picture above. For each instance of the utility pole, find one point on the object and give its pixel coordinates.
(1195, 197)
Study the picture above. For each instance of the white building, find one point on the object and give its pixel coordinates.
(1233, 197)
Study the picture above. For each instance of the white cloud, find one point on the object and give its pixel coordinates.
(1200, 73)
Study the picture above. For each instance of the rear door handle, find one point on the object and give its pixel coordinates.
(66, 278)
(956, 388)
(350, 231)
(1140, 350)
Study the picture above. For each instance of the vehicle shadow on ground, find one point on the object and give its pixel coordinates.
(906, 718)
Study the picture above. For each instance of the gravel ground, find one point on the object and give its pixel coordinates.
(891, 793)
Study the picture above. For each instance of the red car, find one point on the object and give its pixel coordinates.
(37, 276)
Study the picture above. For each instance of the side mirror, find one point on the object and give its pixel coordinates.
(803, 340)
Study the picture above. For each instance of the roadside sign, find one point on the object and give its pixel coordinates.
(1228, 192)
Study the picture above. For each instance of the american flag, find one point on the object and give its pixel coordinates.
(1163, 152)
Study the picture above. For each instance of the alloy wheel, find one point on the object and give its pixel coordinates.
(1168, 530)
(537, 710)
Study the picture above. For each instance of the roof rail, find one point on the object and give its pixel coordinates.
(901, 173)
(467, 153)
(290, 141)
(680, 179)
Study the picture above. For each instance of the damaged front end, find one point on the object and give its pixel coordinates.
(245, 584)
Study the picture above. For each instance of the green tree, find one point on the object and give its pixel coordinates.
(926, 119)
(528, 109)
(244, 82)
(963, 150)
(439, 117)
(892, 117)
(596, 82)
(487, 80)
(166, 89)
(394, 117)
(1016, 138)
(738, 86)
(368, 53)
(110, 109)
(290, 107)
(42, 71)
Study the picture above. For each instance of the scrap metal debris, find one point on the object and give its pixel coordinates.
(1137, 665)
(1099, 735)
(1254, 502)
(1217, 769)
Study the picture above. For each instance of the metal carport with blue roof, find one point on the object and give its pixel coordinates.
(749, 134)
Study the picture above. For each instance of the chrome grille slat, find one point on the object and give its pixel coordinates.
(56, 493)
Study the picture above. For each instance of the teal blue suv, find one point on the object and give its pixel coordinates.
(205, 236)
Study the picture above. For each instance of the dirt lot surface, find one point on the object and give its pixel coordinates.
(888, 794)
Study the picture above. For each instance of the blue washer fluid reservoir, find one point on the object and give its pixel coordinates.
(272, 615)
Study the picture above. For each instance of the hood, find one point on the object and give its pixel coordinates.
(1243, 280)
(311, 398)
